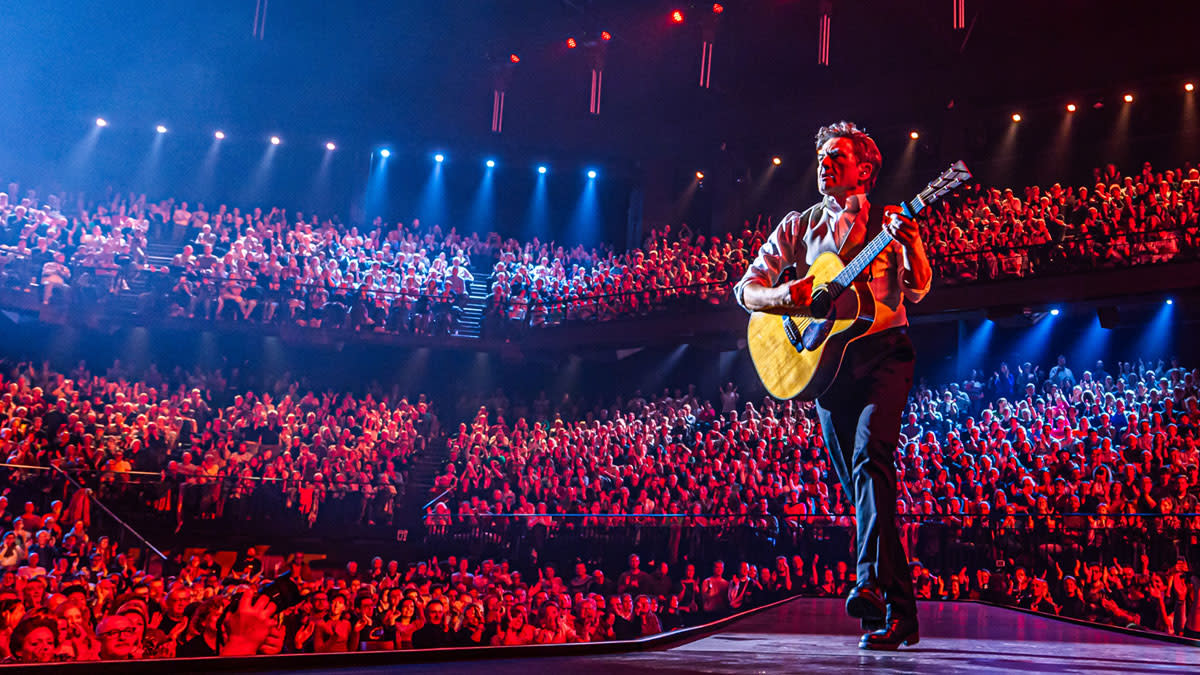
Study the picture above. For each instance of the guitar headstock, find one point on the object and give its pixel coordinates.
(956, 175)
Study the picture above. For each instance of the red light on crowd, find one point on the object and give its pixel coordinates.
(1016, 117)
(677, 16)
(514, 58)
(718, 8)
(571, 43)
(777, 161)
(1189, 87)
(1129, 98)
(605, 35)
(1071, 107)
(699, 175)
(914, 135)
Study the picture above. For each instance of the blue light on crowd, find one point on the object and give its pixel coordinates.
(542, 169)
(385, 153)
(1170, 301)
(439, 158)
(591, 173)
(491, 163)
(1054, 312)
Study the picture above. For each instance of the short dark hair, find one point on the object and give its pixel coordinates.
(865, 149)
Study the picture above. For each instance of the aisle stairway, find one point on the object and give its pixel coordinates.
(419, 489)
(470, 324)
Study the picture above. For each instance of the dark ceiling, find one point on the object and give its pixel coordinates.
(421, 72)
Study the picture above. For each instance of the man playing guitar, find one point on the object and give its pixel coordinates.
(860, 411)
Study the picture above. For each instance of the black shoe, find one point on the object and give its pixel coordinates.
(897, 632)
(866, 602)
(872, 625)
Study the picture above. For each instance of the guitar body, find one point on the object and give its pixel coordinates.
(802, 359)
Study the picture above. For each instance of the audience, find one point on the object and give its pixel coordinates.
(272, 266)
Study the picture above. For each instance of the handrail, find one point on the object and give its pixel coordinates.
(989, 518)
(114, 516)
(437, 498)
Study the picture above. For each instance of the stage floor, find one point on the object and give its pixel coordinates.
(814, 636)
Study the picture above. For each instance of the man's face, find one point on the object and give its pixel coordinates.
(177, 601)
(320, 603)
(838, 170)
(117, 636)
(436, 613)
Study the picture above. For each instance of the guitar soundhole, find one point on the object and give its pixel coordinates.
(814, 334)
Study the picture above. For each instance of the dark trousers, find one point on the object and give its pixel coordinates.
(860, 423)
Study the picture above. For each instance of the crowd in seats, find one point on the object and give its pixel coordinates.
(1084, 485)
(989, 233)
(96, 252)
(193, 445)
(72, 598)
(991, 468)
(536, 284)
(272, 266)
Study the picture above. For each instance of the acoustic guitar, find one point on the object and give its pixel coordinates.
(799, 356)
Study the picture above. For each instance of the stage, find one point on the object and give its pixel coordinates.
(814, 636)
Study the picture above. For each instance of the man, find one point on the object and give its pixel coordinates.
(436, 631)
(714, 592)
(860, 413)
(633, 580)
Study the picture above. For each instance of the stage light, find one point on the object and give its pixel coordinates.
(1129, 98)
(1054, 312)
(385, 153)
(914, 135)
(1170, 301)
(275, 140)
(330, 146)
(514, 58)
(160, 129)
(605, 35)
(220, 135)
(718, 8)
(1071, 107)
(1016, 117)
(591, 173)
(571, 43)
(542, 169)
(699, 175)
(1189, 87)
(439, 158)
(101, 122)
(777, 161)
(677, 16)
(491, 164)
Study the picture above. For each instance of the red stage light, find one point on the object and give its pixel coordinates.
(514, 58)
(605, 35)
(1071, 107)
(677, 16)
(571, 43)
(718, 8)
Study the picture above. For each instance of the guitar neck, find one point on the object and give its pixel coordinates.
(872, 250)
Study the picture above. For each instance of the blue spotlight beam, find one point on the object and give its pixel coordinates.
(483, 206)
(1157, 341)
